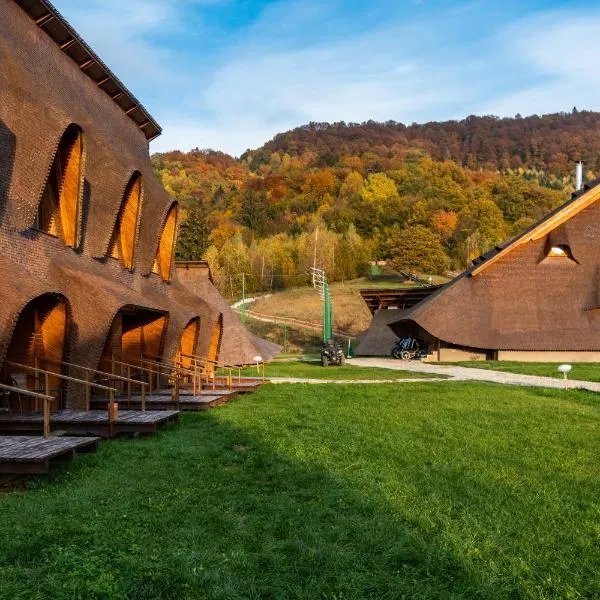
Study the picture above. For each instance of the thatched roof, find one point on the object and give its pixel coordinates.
(516, 297)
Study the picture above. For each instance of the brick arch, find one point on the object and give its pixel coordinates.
(163, 261)
(126, 230)
(134, 332)
(214, 348)
(60, 205)
(40, 336)
(188, 342)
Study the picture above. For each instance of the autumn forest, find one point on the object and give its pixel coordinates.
(428, 198)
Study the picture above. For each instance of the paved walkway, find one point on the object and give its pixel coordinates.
(471, 374)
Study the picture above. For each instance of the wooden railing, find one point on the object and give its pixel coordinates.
(178, 373)
(205, 363)
(156, 370)
(88, 384)
(111, 376)
(46, 399)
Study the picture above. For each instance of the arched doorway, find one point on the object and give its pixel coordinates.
(188, 342)
(135, 334)
(39, 340)
(215, 343)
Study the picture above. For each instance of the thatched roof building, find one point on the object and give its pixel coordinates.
(534, 297)
(87, 234)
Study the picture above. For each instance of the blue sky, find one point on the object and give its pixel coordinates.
(230, 74)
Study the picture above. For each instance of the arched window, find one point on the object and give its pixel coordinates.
(166, 246)
(60, 206)
(122, 244)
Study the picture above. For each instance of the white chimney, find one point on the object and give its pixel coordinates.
(579, 176)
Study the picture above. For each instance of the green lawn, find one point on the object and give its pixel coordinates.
(582, 371)
(313, 370)
(419, 491)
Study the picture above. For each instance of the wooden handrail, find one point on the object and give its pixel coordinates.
(96, 371)
(178, 371)
(61, 376)
(172, 367)
(129, 380)
(160, 370)
(48, 374)
(217, 363)
(47, 399)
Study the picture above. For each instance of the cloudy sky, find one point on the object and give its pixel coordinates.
(229, 74)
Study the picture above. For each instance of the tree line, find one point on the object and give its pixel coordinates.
(271, 215)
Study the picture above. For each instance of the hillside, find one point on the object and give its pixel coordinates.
(427, 197)
(551, 143)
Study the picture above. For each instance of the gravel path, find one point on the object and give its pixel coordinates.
(471, 374)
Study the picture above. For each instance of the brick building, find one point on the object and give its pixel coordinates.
(87, 233)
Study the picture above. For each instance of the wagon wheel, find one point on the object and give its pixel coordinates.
(405, 355)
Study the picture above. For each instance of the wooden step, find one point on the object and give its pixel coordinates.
(22, 455)
(161, 402)
(92, 422)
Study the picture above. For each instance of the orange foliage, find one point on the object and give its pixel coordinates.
(444, 223)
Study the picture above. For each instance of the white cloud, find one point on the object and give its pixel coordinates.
(259, 92)
(300, 61)
(559, 51)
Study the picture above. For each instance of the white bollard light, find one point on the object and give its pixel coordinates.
(565, 369)
(257, 359)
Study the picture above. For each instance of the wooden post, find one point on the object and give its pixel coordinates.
(143, 398)
(111, 406)
(175, 392)
(229, 380)
(46, 384)
(36, 364)
(46, 417)
(150, 380)
(87, 390)
(129, 386)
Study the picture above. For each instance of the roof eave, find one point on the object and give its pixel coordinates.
(47, 18)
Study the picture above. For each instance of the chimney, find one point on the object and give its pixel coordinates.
(579, 176)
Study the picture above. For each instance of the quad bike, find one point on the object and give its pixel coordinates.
(332, 353)
(406, 349)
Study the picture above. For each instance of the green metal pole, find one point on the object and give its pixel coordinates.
(325, 311)
(243, 297)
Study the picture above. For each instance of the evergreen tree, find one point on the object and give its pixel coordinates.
(192, 240)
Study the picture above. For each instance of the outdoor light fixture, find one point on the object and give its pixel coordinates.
(557, 251)
(565, 369)
(258, 359)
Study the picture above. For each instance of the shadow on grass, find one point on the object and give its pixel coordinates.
(206, 510)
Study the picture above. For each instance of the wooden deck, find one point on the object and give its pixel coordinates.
(92, 422)
(241, 387)
(22, 455)
(163, 401)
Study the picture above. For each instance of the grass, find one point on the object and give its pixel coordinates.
(350, 313)
(291, 339)
(419, 491)
(313, 370)
(582, 371)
